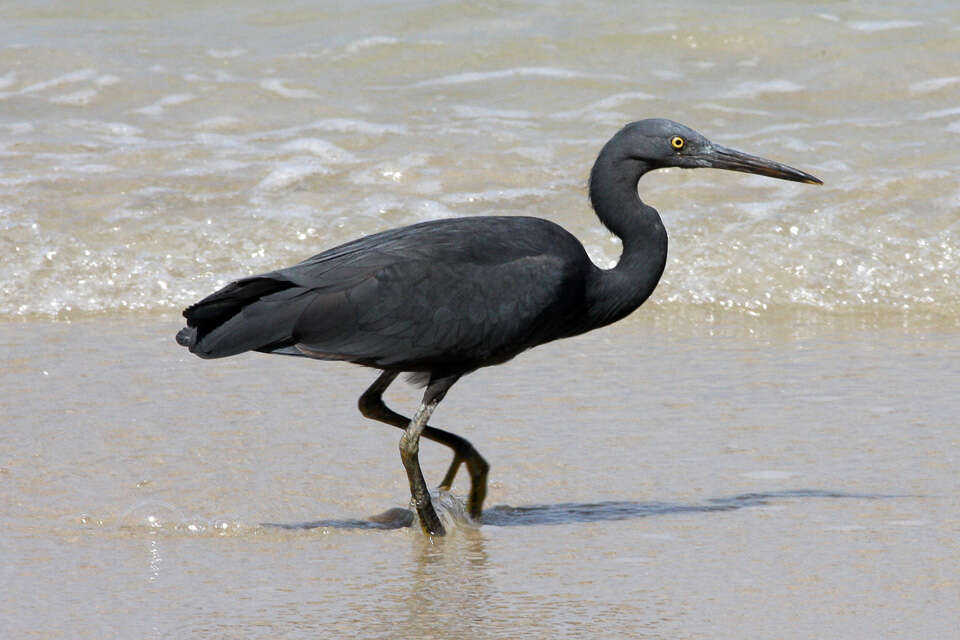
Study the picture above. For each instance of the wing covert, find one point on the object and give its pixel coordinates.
(415, 312)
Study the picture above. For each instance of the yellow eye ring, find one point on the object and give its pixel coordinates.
(677, 142)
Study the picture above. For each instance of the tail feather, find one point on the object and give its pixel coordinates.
(222, 305)
(186, 335)
(249, 314)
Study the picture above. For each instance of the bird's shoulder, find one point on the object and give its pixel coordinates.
(466, 290)
(455, 244)
(485, 234)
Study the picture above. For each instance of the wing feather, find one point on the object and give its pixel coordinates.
(452, 293)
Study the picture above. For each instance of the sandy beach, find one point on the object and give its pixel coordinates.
(653, 479)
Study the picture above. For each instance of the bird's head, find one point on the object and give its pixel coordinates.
(658, 143)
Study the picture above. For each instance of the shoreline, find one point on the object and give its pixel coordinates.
(684, 319)
(685, 452)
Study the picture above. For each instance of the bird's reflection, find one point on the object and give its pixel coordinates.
(450, 585)
(580, 512)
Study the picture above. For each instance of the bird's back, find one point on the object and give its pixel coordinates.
(450, 294)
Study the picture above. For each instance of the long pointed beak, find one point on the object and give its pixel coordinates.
(720, 157)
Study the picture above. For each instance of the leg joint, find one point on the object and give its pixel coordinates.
(409, 446)
(370, 404)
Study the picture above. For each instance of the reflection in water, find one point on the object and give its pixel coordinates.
(451, 509)
(569, 513)
(156, 561)
(445, 589)
(396, 518)
(572, 513)
(450, 586)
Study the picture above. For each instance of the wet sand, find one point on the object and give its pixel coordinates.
(745, 477)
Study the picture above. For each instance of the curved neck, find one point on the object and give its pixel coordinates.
(614, 293)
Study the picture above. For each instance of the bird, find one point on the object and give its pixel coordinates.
(440, 299)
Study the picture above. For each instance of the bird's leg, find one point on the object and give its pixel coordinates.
(409, 453)
(372, 406)
(476, 465)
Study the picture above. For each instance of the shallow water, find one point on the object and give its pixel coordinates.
(152, 153)
(766, 449)
(650, 480)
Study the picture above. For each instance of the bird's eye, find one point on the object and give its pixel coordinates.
(677, 142)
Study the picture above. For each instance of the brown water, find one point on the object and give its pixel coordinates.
(720, 480)
(150, 154)
(768, 449)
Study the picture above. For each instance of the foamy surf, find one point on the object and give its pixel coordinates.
(117, 178)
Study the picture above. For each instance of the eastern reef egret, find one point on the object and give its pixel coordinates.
(443, 298)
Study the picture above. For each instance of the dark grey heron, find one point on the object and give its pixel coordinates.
(443, 298)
